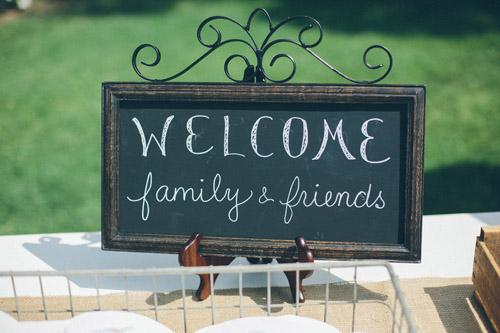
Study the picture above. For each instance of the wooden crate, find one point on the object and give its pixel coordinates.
(486, 273)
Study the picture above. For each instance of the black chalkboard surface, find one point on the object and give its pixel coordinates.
(251, 167)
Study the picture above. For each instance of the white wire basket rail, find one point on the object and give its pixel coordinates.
(324, 308)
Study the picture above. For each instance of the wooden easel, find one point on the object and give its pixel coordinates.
(189, 256)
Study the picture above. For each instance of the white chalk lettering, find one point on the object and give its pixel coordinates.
(226, 139)
(253, 137)
(181, 193)
(299, 197)
(338, 134)
(263, 198)
(189, 139)
(145, 146)
(291, 149)
(362, 147)
(286, 137)
(145, 203)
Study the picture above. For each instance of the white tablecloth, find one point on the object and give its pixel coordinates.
(447, 251)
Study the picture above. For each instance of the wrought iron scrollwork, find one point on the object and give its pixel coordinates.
(257, 73)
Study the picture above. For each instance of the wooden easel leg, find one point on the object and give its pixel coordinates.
(305, 255)
(190, 257)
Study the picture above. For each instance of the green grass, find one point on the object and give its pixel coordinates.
(53, 63)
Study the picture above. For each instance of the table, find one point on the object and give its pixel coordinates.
(447, 258)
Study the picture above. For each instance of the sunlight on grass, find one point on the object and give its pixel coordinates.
(50, 97)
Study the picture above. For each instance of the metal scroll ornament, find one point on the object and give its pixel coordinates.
(257, 73)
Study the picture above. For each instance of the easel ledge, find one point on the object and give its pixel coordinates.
(189, 257)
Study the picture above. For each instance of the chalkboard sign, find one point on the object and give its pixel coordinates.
(253, 166)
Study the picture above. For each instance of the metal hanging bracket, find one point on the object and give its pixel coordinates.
(259, 74)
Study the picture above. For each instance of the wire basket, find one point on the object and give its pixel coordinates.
(349, 305)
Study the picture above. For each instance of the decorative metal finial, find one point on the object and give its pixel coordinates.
(257, 73)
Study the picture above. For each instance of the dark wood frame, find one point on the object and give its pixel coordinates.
(412, 96)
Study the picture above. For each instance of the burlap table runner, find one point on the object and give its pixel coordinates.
(436, 305)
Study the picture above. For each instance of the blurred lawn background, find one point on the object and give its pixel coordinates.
(54, 57)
